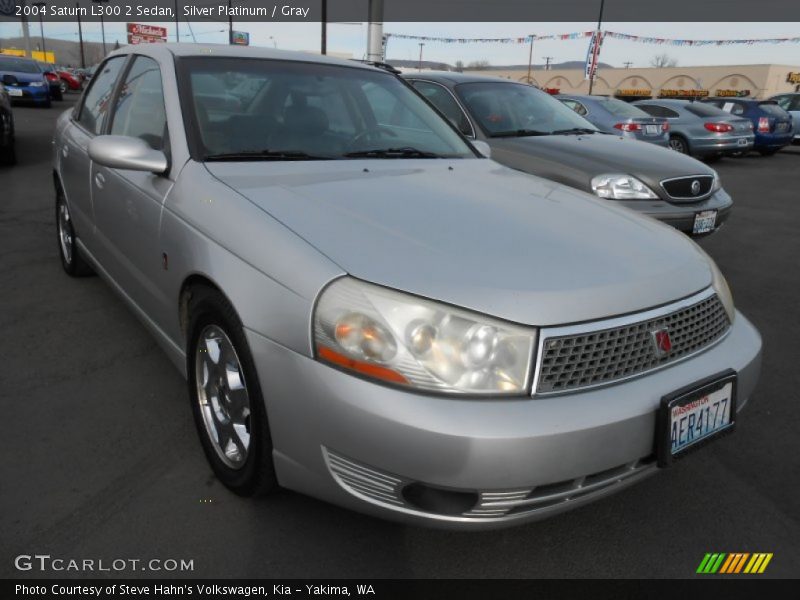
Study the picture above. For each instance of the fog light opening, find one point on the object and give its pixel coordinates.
(439, 501)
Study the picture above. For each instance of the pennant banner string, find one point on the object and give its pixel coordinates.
(585, 34)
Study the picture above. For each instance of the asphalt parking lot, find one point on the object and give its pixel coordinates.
(100, 458)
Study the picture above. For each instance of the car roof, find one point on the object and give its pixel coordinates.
(229, 51)
(665, 102)
(456, 77)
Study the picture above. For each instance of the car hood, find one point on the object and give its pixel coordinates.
(478, 235)
(597, 154)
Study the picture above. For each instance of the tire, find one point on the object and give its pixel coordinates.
(679, 144)
(57, 94)
(73, 263)
(227, 404)
(63, 88)
(8, 156)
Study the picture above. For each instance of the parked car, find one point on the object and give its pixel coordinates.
(791, 104)
(53, 80)
(24, 80)
(611, 115)
(533, 132)
(8, 154)
(700, 129)
(370, 312)
(69, 80)
(772, 125)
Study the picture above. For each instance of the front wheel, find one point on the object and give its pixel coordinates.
(678, 144)
(71, 260)
(226, 399)
(63, 88)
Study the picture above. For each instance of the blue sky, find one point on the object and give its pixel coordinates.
(352, 38)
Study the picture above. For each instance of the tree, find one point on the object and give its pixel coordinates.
(459, 65)
(478, 65)
(663, 60)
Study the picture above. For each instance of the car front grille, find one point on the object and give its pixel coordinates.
(684, 188)
(605, 355)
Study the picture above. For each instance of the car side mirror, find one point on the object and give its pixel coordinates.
(123, 152)
(483, 148)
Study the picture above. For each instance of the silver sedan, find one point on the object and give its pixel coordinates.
(370, 312)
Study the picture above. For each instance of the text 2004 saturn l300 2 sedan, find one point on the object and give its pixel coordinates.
(370, 312)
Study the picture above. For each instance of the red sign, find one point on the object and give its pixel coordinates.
(146, 34)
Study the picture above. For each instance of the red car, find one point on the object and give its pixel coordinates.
(69, 81)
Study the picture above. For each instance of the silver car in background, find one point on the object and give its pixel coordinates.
(791, 104)
(700, 129)
(370, 312)
(617, 117)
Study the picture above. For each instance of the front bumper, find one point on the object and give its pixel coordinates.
(680, 215)
(325, 422)
(33, 94)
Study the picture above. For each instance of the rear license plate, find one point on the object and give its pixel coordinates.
(651, 129)
(742, 141)
(782, 127)
(14, 91)
(695, 415)
(704, 221)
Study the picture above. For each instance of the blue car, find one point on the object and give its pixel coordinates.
(24, 81)
(771, 124)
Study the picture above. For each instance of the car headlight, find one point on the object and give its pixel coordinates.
(36, 84)
(717, 185)
(403, 339)
(720, 285)
(617, 186)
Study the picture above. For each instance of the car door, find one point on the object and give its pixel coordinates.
(128, 204)
(87, 121)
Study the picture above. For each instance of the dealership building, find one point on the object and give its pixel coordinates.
(754, 81)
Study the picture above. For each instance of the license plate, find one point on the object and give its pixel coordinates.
(704, 221)
(695, 415)
(14, 91)
(783, 127)
(651, 129)
(742, 141)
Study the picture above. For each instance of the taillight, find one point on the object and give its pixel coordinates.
(763, 124)
(628, 126)
(718, 127)
(665, 127)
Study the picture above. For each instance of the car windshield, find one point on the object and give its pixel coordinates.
(515, 109)
(619, 108)
(258, 109)
(18, 66)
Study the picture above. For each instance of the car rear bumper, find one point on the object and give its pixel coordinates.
(368, 447)
(769, 141)
(721, 145)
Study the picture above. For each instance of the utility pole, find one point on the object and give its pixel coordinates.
(597, 41)
(102, 24)
(375, 47)
(230, 22)
(421, 44)
(323, 48)
(177, 24)
(547, 60)
(530, 60)
(26, 33)
(627, 64)
(80, 37)
(42, 6)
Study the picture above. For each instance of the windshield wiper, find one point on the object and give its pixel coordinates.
(405, 152)
(263, 155)
(574, 130)
(520, 133)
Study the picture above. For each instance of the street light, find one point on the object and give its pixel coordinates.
(102, 23)
(42, 6)
(421, 44)
(274, 43)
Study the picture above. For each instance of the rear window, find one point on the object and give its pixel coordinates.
(772, 109)
(619, 108)
(705, 110)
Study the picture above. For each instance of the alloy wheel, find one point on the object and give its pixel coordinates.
(65, 233)
(222, 396)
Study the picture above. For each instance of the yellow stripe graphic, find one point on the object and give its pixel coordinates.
(765, 563)
(751, 564)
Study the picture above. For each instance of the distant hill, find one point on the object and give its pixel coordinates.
(67, 52)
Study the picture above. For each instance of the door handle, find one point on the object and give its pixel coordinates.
(99, 180)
